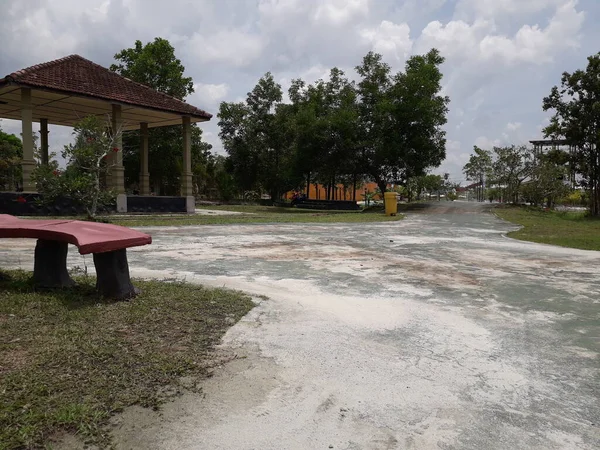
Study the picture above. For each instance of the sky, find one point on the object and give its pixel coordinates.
(502, 56)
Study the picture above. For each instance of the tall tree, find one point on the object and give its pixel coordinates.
(401, 117)
(547, 181)
(326, 132)
(479, 169)
(256, 135)
(577, 118)
(511, 167)
(155, 65)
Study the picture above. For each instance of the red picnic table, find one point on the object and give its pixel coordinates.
(107, 243)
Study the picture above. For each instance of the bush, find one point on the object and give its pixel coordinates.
(87, 163)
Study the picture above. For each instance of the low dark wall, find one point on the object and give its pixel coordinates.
(22, 204)
(155, 204)
(345, 205)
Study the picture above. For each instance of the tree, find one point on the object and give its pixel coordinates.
(478, 169)
(257, 137)
(155, 65)
(577, 119)
(511, 167)
(11, 153)
(87, 167)
(401, 117)
(546, 182)
(325, 122)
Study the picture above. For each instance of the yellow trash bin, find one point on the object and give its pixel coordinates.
(391, 203)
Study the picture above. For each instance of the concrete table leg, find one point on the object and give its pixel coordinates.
(112, 275)
(50, 266)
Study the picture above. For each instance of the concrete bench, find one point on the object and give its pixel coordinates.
(107, 243)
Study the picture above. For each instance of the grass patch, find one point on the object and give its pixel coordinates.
(566, 229)
(69, 360)
(256, 214)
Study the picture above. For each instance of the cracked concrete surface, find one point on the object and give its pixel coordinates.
(433, 332)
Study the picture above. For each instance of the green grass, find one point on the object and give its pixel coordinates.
(255, 214)
(69, 360)
(566, 229)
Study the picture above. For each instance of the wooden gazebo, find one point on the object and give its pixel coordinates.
(64, 91)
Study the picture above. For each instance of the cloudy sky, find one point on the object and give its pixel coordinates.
(502, 56)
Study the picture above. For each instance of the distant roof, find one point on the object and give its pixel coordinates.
(74, 77)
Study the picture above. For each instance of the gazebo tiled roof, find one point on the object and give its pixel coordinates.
(69, 87)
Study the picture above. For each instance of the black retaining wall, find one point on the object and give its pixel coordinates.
(154, 204)
(22, 204)
(25, 204)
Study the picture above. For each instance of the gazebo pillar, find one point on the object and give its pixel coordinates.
(186, 176)
(144, 175)
(44, 141)
(28, 163)
(117, 172)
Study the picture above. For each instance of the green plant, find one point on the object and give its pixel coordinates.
(88, 162)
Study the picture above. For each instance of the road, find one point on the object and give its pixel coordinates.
(433, 332)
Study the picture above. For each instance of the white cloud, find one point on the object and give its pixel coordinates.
(339, 12)
(486, 143)
(208, 94)
(234, 48)
(513, 126)
(480, 42)
(495, 8)
(390, 39)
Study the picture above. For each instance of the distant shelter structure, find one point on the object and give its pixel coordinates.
(542, 145)
(64, 91)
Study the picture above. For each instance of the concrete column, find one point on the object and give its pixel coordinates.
(44, 140)
(117, 172)
(144, 175)
(28, 163)
(186, 176)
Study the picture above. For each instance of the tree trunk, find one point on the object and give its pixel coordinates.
(353, 187)
(382, 185)
(308, 185)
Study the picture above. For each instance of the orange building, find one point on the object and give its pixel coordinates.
(319, 192)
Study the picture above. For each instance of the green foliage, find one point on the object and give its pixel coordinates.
(386, 128)
(11, 153)
(576, 106)
(546, 183)
(575, 198)
(401, 117)
(257, 137)
(511, 167)
(87, 166)
(479, 169)
(515, 172)
(425, 184)
(155, 64)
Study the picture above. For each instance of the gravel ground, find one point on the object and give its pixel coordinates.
(433, 332)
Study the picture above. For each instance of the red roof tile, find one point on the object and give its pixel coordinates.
(80, 76)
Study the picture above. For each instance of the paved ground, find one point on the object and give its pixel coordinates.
(433, 332)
